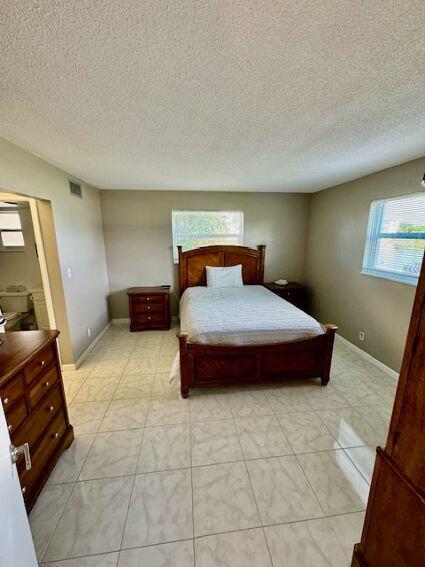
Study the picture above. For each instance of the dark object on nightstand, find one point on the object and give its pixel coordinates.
(293, 292)
(149, 308)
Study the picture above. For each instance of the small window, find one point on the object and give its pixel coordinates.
(395, 239)
(11, 237)
(192, 229)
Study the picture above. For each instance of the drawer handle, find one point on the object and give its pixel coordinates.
(5, 401)
(10, 427)
(56, 435)
(47, 384)
(43, 362)
(51, 408)
(21, 450)
(23, 489)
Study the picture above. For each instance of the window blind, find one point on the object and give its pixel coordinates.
(396, 238)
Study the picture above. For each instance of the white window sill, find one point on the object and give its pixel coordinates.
(409, 280)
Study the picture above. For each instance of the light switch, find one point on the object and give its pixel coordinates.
(69, 272)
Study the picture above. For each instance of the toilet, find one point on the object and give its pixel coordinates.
(15, 305)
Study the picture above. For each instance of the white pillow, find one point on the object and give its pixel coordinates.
(225, 277)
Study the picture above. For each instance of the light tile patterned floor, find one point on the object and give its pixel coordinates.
(247, 477)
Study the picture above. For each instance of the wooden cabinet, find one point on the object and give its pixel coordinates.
(32, 395)
(293, 292)
(149, 308)
(394, 529)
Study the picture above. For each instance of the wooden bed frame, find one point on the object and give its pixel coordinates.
(226, 365)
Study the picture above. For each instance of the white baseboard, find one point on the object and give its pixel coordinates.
(368, 357)
(76, 365)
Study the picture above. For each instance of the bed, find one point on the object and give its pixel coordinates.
(234, 336)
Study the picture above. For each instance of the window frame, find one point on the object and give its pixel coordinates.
(373, 236)
(201, 235)
(3, 248)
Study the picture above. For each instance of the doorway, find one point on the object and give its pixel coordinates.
(25, 297)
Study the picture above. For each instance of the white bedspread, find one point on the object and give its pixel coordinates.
(248, 315)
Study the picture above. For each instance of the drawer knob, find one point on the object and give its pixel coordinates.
(56, 435)
(148, 299)
(42, 363)
(51, 408)
(149, 318)
(149, 307)
(10, 427)
(5, 401)
(23, 489)
(47, 384)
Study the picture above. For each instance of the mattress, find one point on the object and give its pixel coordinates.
(246, 315)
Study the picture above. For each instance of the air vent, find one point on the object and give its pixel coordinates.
(75, 189)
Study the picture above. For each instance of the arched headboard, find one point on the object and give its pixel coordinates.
(192, 263)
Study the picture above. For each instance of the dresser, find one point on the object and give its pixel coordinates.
(149, 308)
(394, 529)
(32, 395)
(293, 292)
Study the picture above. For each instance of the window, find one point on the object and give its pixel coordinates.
(395, 239)
(11, 237)
(192, 229)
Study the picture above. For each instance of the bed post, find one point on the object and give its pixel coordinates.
(262, 250)
(184, 376)
(330, 336)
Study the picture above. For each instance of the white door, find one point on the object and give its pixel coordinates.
(16, 545)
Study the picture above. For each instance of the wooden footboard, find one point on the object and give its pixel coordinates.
(225, 365)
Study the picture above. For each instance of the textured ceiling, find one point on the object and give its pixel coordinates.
(229, 94)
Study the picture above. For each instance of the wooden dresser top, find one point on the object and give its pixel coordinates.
(148, 290)
(19, 347)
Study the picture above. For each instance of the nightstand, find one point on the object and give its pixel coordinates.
(149, 308)
(293, 292)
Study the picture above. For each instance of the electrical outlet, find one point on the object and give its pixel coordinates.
(361, 335)
(89, 332)
(69, 273)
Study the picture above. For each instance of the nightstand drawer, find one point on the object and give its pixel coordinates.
(148, 308)
(146, 319)
(147, 299)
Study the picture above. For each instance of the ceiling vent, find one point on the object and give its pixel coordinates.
(75, 189)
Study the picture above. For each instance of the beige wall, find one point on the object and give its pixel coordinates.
(22, 266)
(79, 235)
(336, 241)
(137, 229)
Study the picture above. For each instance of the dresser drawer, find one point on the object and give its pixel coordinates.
(148, 299)
(148, 308)
(40, 456)
(16, 415)
(11, 392)
(42, 385)
(147, 320)
(39, 363)
(33, 428)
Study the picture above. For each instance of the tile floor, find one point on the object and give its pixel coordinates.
(254, 477)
